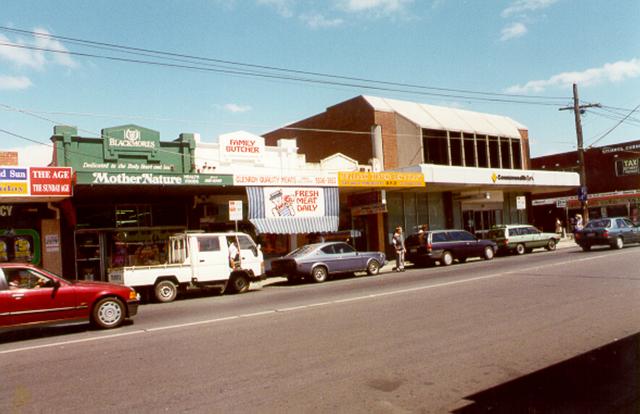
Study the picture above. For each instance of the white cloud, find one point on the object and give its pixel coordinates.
(609, 72)
(524, 6)
(383, 6)
(237, 109)
(318, 21)
(14, 82)
(283, 7)
(35, 59)
(513, 31)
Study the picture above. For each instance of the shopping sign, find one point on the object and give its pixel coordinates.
(293, 202)
(235, 210)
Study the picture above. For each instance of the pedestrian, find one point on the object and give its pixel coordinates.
(558, 227)
(398, 245)
(422, 234)
(579, 222)
(234, 255)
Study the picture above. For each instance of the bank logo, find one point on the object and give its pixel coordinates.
(494, 177)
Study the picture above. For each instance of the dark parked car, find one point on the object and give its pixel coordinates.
(319, 260)
(30, 295)
(445, 246)
(612, 231)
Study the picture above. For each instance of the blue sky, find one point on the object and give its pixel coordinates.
(535, 48)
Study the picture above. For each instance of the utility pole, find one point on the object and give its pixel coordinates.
(578, 110)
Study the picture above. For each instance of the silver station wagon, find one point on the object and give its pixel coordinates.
(521, 238)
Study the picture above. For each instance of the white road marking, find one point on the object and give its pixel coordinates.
(302, 307)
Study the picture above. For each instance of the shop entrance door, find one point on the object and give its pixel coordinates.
(479, 222)
(90, 255)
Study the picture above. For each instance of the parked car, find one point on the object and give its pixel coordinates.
(30, 295)
(521, 238)
(319, 260)
(445, 246)
(613, 231)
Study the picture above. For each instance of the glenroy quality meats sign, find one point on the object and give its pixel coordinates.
(293, 202)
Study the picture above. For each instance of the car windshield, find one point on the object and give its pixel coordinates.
(598, 224)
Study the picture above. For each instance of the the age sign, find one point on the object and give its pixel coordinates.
(50, 181)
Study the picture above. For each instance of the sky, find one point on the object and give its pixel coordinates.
(255, 65)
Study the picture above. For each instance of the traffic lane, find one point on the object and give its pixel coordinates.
(419, 349)
(271, 298)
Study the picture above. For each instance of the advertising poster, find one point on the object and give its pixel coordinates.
(293, 202)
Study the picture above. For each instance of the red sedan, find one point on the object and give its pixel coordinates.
(30, 295)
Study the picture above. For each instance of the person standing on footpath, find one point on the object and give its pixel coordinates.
(398, 244)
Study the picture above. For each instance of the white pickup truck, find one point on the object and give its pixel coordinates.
(196, 260)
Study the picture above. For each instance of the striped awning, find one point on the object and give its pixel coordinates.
(300, 215)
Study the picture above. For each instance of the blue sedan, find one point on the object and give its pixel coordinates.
(319, 260)
(614, 232)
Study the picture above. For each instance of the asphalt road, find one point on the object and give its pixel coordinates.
(549, 331)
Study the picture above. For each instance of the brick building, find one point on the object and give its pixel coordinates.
(612, 178)
(476, 165)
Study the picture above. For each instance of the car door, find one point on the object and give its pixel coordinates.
(212, 258)
(348, 259)
(331, 259)
(250, 255)
(5, 302)
(635, 230)
(460, 247)
(38, 297)
(534, 238)
(625, 230)
(472, 245)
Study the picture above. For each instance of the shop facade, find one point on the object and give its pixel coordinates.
(32, 201)
(133, 190)
(476, 166)
(612, 176)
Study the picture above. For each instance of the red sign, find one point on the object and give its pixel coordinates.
(50, 181)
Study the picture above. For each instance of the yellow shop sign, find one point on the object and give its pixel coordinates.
(380, 179)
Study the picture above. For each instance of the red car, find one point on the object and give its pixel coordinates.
(30, 295)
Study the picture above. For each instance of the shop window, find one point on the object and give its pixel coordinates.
(456, 149)
(95, 216)
(494, 152)
(169, 215)
(469, 146)
(133, 216)
(435, 147)
(516, 150)
(481, 144)
(505, 152)
(21, 245)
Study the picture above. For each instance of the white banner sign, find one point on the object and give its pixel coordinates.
(235, 210)
(293, 202)
(241, 145)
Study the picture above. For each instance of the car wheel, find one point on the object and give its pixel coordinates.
(108, 313)
(373, 268)
(488, 253)
(520, 249)
(165, 291)
(551, 245)
(239, 283)
(586, 247)
(618, 244)
(447, 258)
(319, 274)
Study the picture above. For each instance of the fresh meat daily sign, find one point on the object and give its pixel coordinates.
(293, 202)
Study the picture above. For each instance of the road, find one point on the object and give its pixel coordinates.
(549, 330)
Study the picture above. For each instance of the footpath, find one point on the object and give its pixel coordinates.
(564, 243)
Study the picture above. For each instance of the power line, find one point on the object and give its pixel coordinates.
(614, 127)
(157, 53)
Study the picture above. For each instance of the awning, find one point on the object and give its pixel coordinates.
(294, 210)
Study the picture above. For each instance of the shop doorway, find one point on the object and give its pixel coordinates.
(479, 222)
